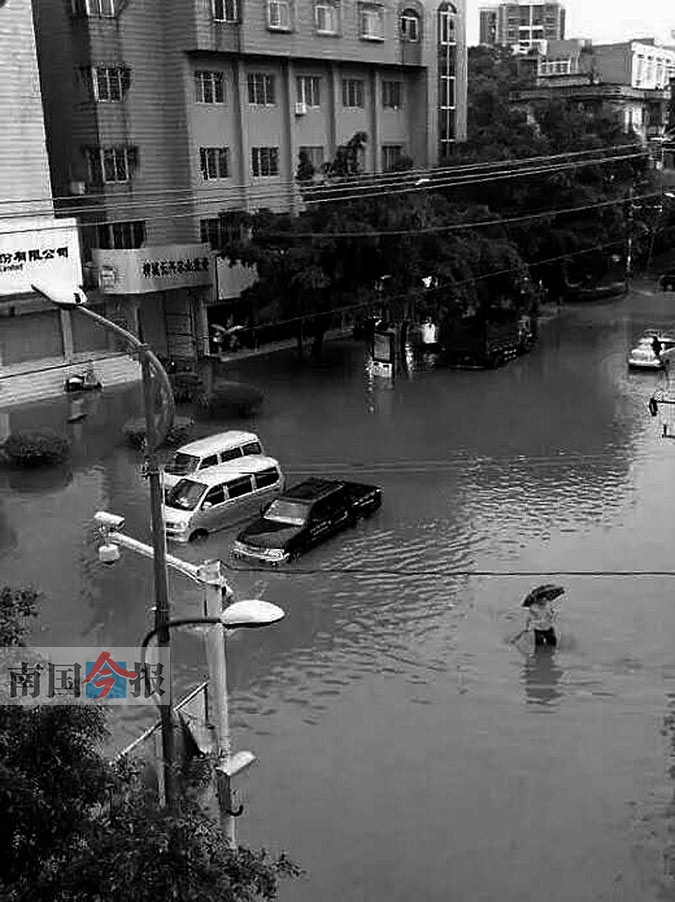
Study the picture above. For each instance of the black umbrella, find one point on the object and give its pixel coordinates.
(547, 592)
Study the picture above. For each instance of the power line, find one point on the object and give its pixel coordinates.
(378, 178)
(376, 233)
(374, 189)
(446, 573)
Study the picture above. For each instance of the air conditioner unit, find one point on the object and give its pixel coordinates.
(78, 188)
(300, 108)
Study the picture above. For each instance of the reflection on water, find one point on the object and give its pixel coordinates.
(541, 678)
(386, 709)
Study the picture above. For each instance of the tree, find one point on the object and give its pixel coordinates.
(77, 828)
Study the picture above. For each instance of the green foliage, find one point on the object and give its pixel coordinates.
(306, 170)
(16, 607)
(75, 828)
(36, 449)
(178, 434)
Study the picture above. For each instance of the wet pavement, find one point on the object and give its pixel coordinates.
(407, 749)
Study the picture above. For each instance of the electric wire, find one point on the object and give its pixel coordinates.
(317, 195)
(361, 177)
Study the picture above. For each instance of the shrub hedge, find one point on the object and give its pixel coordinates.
(36, 449)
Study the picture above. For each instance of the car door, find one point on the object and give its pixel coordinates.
(243, 502)
(211, 510)
(320, 522)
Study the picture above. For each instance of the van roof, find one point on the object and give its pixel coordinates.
(242, 466)
(218, 442)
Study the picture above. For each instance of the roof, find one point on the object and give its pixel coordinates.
(217, 442)
(312, 489)
(242, 466)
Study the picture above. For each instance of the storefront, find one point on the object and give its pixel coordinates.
(161, 293)
(227, 318)
(40, 345)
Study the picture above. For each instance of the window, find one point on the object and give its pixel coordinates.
(209, 87)
(261, 89)
(309, 90)
(219, 232)
(265, 161)
(252, 448)
(225, 10)
(210, 461)
(371, 22)
(314, 155)
(391, 94)
(266, 478)
(447, 98)
(410, 25)
(102, 9)
(391, 154)
(232, 454)
(326, 16)
(109, 83)
(214, 162)
(111, 164)
(279, 14)
(447, 15)
(352, 92)
(121, 235)
(236, 488)
(216, 495)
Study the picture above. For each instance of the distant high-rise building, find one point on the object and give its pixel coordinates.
(522, 26)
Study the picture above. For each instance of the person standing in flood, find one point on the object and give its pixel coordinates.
(542, 614)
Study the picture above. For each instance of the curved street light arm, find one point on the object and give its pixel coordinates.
(168, 407)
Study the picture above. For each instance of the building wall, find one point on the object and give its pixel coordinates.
(160, 118)
(24, 168)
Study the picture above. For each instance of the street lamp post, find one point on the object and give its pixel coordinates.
(74, 299)
(247, 614)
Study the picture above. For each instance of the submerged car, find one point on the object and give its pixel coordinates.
(643, 357)
(303, 516)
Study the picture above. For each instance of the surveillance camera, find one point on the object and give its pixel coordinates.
(109, 521)
(63, 295)
(109, 554)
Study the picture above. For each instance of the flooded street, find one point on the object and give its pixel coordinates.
(407, 749)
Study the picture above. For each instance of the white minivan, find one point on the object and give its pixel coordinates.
(209, 452)
(221, 496)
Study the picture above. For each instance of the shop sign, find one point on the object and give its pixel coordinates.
(38, 250)
(153, 268)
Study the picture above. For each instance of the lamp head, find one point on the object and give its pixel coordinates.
(251, 613)
(63, 295)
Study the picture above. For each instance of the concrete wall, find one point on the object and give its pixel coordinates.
(24, 168)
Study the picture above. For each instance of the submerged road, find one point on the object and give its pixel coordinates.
(407, 749)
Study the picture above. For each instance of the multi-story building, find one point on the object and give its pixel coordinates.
(630, 79)
(39, 345)
(161, 116)
(522, 26)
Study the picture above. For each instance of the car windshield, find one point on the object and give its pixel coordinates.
(290, 512)
(181, 464)
(185, 495)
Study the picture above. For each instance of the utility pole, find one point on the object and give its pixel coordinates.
(218, 713)
(162, 609)
(629, 242)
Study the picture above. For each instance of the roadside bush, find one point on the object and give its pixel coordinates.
(179, 434)
(36, 449)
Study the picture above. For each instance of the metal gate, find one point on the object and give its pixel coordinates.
(180, 324)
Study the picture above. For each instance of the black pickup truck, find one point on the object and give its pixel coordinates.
(303, 516)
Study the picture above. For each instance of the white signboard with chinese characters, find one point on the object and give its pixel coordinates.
(41, 250)
(153, 268)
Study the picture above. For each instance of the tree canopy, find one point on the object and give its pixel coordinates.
(77, 828)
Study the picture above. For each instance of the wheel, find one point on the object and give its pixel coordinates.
(198, 535)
